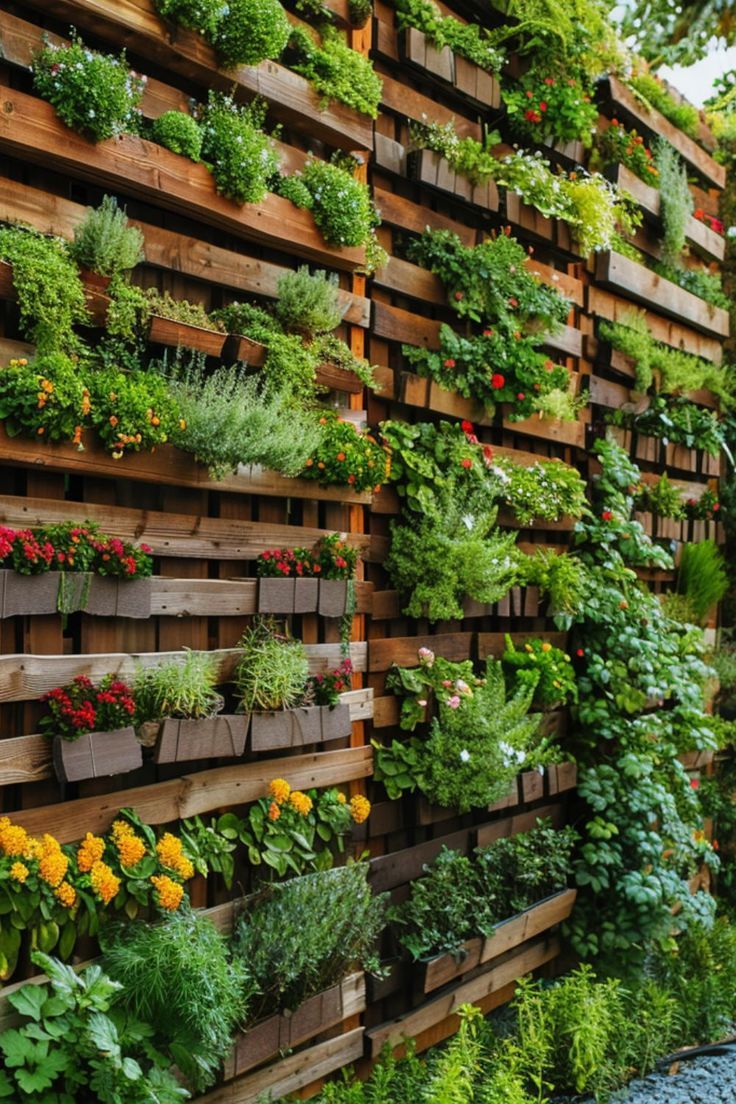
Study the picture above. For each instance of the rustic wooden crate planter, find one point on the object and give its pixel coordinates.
(428, 167)
(288, 595)
(434, 972)
(69, 592)
(469, 79)
(165, 331)
(333, 597)
(338, 379)
(245, 350)
(314, 724)
(284, 1031)
(97, 755)
(220, 737)
(28, 594)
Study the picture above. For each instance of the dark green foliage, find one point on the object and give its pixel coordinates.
(197, 15)
(337, 71)
(178, 132)
(241, 156)
(251, 31)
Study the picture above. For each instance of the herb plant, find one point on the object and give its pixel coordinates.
(347, 457)
(105, 242)
(308, 303)
(50, 294)
(177, 689)
(654, 94)
(617, 145)
(196, 15)
(272, 669)
(249, 31)
(242, 157)
(557, 684)
(336, 70)
(702, 578)
(341, 205)
(178, 132)
(468, 40)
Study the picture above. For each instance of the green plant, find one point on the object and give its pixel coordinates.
(662, 498)
(475, 746)
(702, 577)
(557, 684)
(50, 294)
(420, 686)
(563, 579)
(547, 489)
(653, 94)
(95, 94)
(105, 242)
(342, 206)
(131, 411)
(618, 146)
(676, 202)
(551, 106)
(468, 40)
(308, 303)
(331, 350)
(180, 310)
(679, 420)
(453, 552)
(359, 12)
(249, 31)
(179, 975)
(72, 1042)
(705, 284)
(272, 669)
(44, 398)
(336, 70)
(197, 15)
(516, 871)
(228, 419)
(242, 157)
(177, 689)
(347, 457)
(179, 133)
(306, 934)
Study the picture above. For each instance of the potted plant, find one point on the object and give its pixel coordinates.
(181, 323)
(105, 245)
(288, 581)
(178, 707)
(92, 728)
(271, 677)
(337, 563)
(103, 576)
(26, 583)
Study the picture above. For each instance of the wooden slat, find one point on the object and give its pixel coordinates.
(397, 211)
(220, 597)
(196, 794)
(408, 103)
(616, 308)
(30, 130)
(402, 650)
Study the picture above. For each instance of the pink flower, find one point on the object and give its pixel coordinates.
(426, 656)
(453, 702)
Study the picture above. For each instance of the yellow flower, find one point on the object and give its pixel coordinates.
(301, 802)
(53, 864)
(13, 839)
(169, 851)
(66, 894)
(279, 790)
(169, 892)
(19, 872)
(131, 849)
(546, 647)
(104, 883)
(360, 808)
(120, 829)
(90, 851)
(35, 848)
(341, 798)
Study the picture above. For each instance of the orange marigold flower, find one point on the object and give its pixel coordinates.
(131, 849)
(360, 808)
(19, 872)
(273, 811)
(90, 851)
(53, 867)
(104, 883)
(13, 839)
(279, 790)
(170, 853)
(168, 891)
(66, 894)
(301, 802)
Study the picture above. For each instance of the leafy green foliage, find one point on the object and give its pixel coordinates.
(678, 33)
(618, 146)
(563, 579)
(179, 975)
(653, 93)
(556, 683)
(249, 31)
(105, 242)
(305, 935)
(50, 294)
(336, 70)
(272, 669)
(702, 577)
(550, 106)
(547, 489)
(95, 94)
(184, 688)
(241, 157)
(677, 420)
(197, 15)
(698, 281)
(342, 206)
(346, 457)
(308, 303)
(179, 133)
(54, 374)
(468, 40)
(676, 203)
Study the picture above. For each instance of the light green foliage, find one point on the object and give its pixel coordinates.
(178, 132)
(305, 935)
(72, 1044)
(179, 976)
(197, 15)
(562, 578)
(556, 683)
(180, 310)
(249, 31)
(50, 294)
(342, 206)
(468, 40)
(702, 577)
(272, 670)
(19, 390)
(178, 689)
(547, 490)
(241, 156)
(706, 285)
(308, 303)
(654, 94)
(336, 70)
(662, 498)
(676, 202)
(105, 242)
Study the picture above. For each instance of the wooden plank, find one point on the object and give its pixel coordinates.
(31, 130)
(292, 1073)
(655, 123)
(634, 281)
(402, 650)
(606, 304)
(180, 535)
(196, 794)
(166, 249)
(434, 1011)
(136, 25)
(220, 597)
(395, 210)
(408, 103)
(397, 324)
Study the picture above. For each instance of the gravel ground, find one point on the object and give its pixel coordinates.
(706, 1080)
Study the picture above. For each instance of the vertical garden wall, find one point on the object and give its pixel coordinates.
(403, 468)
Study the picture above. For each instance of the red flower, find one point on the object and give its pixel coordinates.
(580, 652)
(716, 845)
(449, 363)
(529, 94)
(466, 463)
(694, 783)
(549, 81)
(532, 116)
(466, 426)
(543, 105)
(699, 213)
(459, 295)
(606, 515)
(513, 302)
(521, 396)
(716, 506)
(488, 333)
(497, 381)
(488, 454)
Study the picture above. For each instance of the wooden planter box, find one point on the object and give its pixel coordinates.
(639, 284)
(245, 350)
(338, 379)
(315, 724)
(469, 79)
(288, 595)
(165, 331)
(333, 597)
(28, 594)
(97, 755)
(220, 737)
(429, 168)
(434, 972)
(284, 1031)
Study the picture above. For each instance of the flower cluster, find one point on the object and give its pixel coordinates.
(552, 670)
(24, 551)
(82, 707)
(709, 220)
(72, 547)
(331, 558)
(558, 108)
(617, 145)
(325, 688)
(347, 457)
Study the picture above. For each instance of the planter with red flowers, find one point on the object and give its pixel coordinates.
(299, 580)
(91, 726)
(72, 567)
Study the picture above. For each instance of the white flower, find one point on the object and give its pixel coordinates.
(465, 756)
(468, 521)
